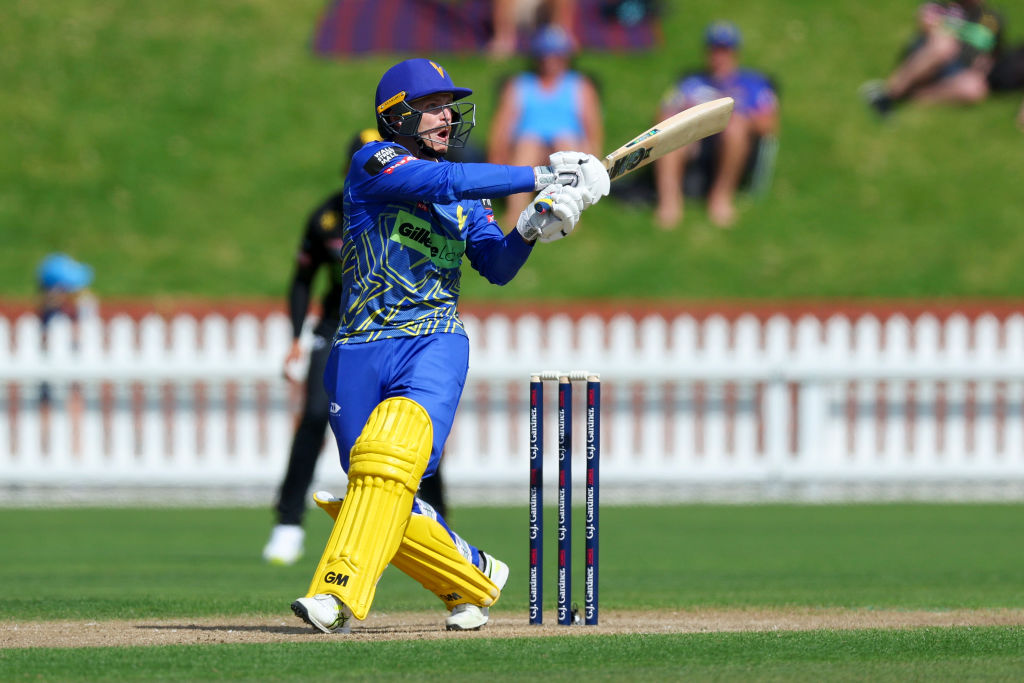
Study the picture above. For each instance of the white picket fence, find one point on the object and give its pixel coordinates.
(201, 402)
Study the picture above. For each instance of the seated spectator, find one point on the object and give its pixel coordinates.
(551, 107)
(947, 62)
(509, 15)
(755, 116)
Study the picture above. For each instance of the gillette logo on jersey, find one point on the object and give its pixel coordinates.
(415, 233)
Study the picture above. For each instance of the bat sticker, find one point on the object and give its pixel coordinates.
(628, 162)
(651, 133)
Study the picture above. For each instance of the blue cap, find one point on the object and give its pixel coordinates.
(413, 79)
(62, 271)
(551, 40)
(722, 34)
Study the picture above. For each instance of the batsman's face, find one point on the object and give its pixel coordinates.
(436, 120)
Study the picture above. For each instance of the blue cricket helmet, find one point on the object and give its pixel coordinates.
(60, 271)
(413, 79)
(410, 80)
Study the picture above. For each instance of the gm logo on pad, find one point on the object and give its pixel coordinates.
(336, 578)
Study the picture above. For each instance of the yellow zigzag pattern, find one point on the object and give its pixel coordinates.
(369, 253)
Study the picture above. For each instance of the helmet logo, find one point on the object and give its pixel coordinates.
(390, 102)
(438, 67)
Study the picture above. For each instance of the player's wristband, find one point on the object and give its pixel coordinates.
(542, 177)
(543, 205)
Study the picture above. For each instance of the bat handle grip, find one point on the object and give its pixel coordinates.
(543, 205)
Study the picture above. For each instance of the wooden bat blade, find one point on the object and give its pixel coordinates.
(669, 135)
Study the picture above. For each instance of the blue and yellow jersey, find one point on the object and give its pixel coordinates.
(408, 224)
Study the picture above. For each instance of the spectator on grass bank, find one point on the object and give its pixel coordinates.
(947, 62)
(320, 247)
(63, 293)
(544, 109)
(725, 159)
(509, 16)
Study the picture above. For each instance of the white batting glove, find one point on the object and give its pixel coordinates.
(576, 169)
(553, 213)
(595, 178)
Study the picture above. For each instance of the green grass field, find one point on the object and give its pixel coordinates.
(99, 564)
(178, 146)
(925, 654)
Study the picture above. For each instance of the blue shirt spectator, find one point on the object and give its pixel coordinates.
(755, 116)
(752, 91)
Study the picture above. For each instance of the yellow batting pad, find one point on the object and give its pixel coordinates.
(428, 555)
(385, 467)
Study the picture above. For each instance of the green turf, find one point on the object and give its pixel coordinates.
(96, 564)
(177, 147)
(921, 654)
(101, 563)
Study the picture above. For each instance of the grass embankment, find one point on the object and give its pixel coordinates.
(178, 146)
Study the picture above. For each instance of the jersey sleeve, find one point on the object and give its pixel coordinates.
(386, 172)
(496, 256)
(763, 99)
(306, 264)
(317, 248)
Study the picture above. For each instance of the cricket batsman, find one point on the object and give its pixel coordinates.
(399, 359)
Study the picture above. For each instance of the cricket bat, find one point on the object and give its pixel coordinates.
(669, 135)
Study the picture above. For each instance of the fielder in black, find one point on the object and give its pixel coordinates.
(321, 246)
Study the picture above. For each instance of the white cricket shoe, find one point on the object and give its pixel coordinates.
(285, 544)
(324, 611)
(466, 617)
